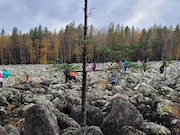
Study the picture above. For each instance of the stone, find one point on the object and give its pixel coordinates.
(128, 130)
(153, 128)
(3, 131)
(91, 130)
(64, 121)
(11, 130)
(3, 101)
(122, 113)
(94, 115)
(40, 121)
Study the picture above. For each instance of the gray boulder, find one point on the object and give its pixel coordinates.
(64, 121)
(94, 115)
(3, 112)
(128, 130)
(2, 131)
(121, 114)
(92, 130)
(3, 100)
(11, 130)
(40, 121)
(156, 129)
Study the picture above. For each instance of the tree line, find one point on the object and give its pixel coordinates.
(112, 43)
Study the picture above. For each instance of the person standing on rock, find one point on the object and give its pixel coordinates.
(110, 64)
(5, 74)
(1, 79)
(94, 67)
(125, 65)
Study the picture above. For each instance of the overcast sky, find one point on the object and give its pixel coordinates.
(56, 14)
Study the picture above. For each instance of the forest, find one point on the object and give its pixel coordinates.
(112, 43)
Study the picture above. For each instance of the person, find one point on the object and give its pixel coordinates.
(94, 67)
(125, 65)
(161, 69)
(1, 79)
(110, 64)
(72, 76)
(144, 66)
(66, 73)
(118, 62)
(114, 78)
(5, 74)
(28, 79)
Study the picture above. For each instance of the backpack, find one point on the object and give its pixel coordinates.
(93, 66)
(65, 71)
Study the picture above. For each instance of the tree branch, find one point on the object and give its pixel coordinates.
(90, 13)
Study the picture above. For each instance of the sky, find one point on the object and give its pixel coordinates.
(56, 14)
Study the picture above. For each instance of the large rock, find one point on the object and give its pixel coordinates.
(121, 114)
(3, 100)
(64, 121)
(94, 115)
(3, 112)
(40, 121)
(128, 130)
(92, 130)
(26, 96)
(156, 129)
(11, 130)
(2, 131)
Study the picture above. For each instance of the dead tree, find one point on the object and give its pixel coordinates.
(84, 115)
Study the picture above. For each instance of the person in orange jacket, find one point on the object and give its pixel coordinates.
(72, 75)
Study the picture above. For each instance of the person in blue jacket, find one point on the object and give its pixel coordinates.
(125, 65)
(5, 73)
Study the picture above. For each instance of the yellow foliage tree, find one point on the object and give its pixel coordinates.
(2, 47)
(44, 51)
(77, 51)
(90, 50)
(56, 48)
(32, 52)
(37, 45)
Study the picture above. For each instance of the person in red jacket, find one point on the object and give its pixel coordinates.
(72, 75)
(28, 79)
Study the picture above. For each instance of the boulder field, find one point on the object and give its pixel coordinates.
(141, 103)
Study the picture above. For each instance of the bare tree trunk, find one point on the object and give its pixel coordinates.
(84, 70)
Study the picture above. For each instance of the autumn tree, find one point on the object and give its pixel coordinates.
(44, 51)
(32, 51)
(56, 49)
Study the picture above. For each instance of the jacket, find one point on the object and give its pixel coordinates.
(5, 73)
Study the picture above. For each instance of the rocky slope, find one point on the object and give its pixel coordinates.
(142, 103)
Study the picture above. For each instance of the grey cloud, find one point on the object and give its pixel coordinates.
(26, 14)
